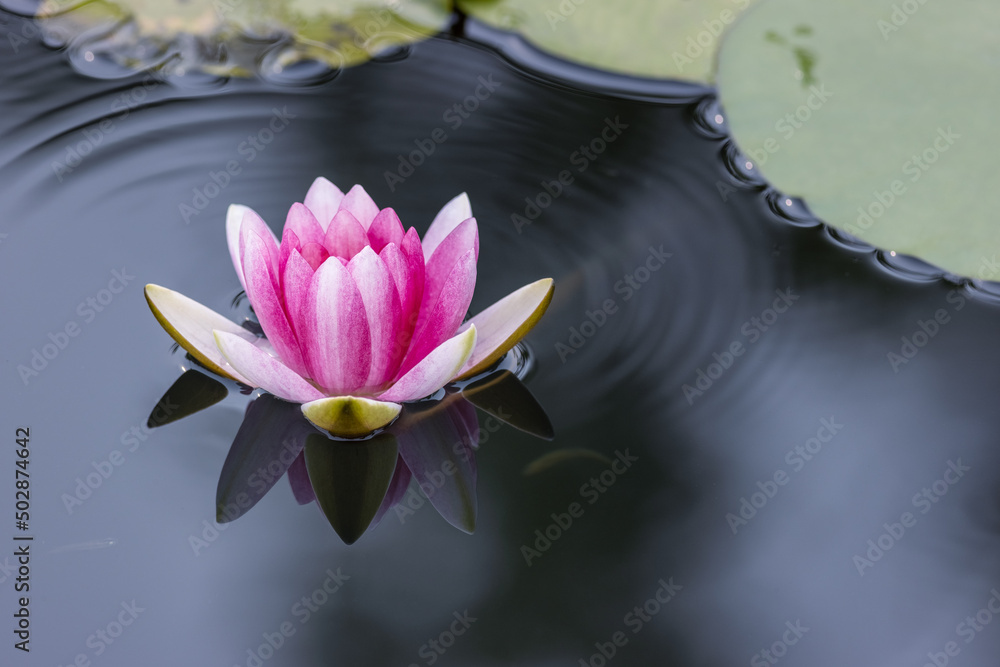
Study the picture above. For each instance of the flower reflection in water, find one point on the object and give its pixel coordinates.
(357, 482)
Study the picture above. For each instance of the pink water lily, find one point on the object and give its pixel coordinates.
(358, 314)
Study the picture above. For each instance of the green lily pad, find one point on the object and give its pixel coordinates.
(878, 113)
(674, 39)
(230, 37)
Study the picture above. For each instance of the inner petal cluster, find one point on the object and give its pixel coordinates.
(349, 300)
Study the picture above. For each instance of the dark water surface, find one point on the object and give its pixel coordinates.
(811, 416)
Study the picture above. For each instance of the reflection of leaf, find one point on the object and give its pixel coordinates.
(192, 392)
(895, 148)
(505, 397)
(350, 479)
(560, 456)
(270, 438)
(656, 38)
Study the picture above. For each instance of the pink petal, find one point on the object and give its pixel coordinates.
(338, 342)
(385, 229)
(378, 292)
(463, 238)
(435, 370)
(440, 318)
(399, 273)
(323, 199)
(414, 256)
(315, 254)
(234, 222)
(289, 242)
(406, 265)
(254, 224)
(302, 221)
(453, 213)
(360, 205)
(345, 237)
(295, 288)
(264, 370)
(263, 293)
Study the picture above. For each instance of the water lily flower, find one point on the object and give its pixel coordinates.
(358, 315)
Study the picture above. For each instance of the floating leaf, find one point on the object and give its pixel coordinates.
(654, 38)
(231, 37)
(876, 113)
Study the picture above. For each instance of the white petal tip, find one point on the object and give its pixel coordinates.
(506, 322)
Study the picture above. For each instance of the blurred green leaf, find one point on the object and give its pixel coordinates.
(674, 39)
(229, 36)
(879, 114)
